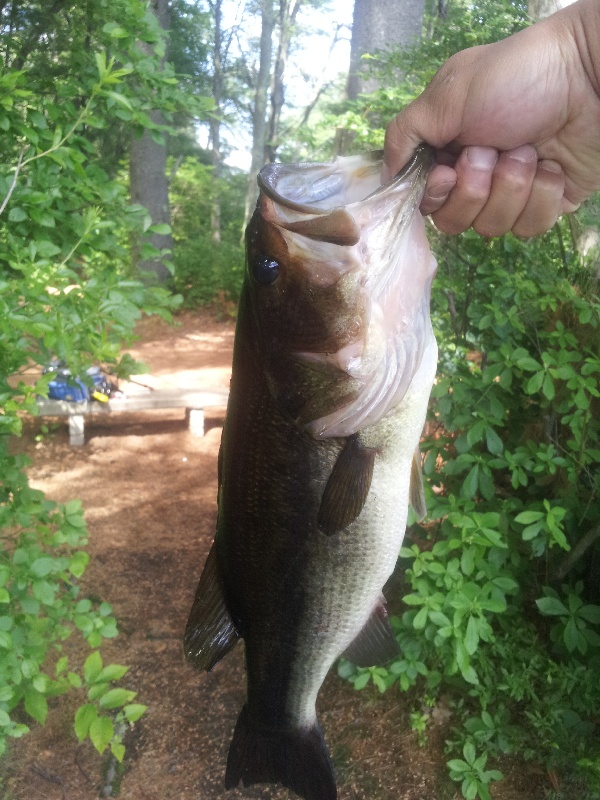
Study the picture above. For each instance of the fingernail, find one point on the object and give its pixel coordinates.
(551, 166)
(525, 154)
(482, 157)
(441, 190)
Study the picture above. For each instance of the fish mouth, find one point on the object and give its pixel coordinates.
(321, 187)
(386, 258)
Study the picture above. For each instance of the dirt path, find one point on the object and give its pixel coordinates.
(149, 489)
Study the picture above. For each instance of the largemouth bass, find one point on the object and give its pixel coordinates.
(334, 359)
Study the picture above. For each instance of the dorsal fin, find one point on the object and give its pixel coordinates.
(347, 487)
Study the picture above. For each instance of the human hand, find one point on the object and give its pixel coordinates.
(516, 125)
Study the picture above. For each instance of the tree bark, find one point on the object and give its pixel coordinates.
(259, 114)
(380, 25)
(539, 9)
(288, 10)
(376, 25)
(215, 122)
(148, 181)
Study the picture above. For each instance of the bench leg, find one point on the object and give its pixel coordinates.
(76, 430)
(195, 418)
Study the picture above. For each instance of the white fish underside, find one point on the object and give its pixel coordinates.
(367, 552)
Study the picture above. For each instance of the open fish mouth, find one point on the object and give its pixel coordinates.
(346, 228)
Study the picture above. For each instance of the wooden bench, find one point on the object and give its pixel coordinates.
(192, 400)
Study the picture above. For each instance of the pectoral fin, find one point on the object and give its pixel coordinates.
(417, 490)
(347, 487)
(376, 643)
(210, 633)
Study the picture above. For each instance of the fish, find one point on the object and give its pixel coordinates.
(333, 364)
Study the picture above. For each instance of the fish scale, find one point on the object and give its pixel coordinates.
(334, 359)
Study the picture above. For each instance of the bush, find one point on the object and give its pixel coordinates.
(66, 291)
(206, 271)
(504, 603)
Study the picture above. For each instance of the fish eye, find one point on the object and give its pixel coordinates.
(265, 270)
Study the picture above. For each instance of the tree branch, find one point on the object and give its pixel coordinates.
(14, 180)
(582, 546)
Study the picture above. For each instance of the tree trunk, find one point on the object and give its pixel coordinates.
(376, 25)
(380, 25)
(259, 115)
(148, 181)
(215, 122)
(288, 10)
(539, 9)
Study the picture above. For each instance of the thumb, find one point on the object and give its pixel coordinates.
(435, 117)
(402, 137)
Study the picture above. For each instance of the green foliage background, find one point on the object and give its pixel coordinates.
(503, 578)
(66, 291)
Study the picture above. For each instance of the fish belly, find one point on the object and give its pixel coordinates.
(347, 571)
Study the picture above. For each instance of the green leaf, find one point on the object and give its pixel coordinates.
(122, 100)
(113, 672)
(160, 228)
(458, 765)
(78, 563)
(101, 64)
(36, 705)
(97, 690)
(531, 531)
(548, 388)
(529, 364)
(92, 667)
(590, 613)
(134, 711)
(115, 31)
(493, 441)
(571, 636)
(471, 639)
(470, 483)
(84, 716)
(526, 517)
(362, 680)
(551, 606)
(101, 732)
(420, 620)
(534, 384)
(44, 566)
(45, 592)
(115, 698)
(46, 249)
(17, 214)
(469, 752)
(118, 751)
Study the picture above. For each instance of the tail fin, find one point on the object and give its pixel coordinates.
(298, 759)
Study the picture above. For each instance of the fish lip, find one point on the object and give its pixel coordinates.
(421, 161)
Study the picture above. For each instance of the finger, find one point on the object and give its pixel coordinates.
(474, 169)
(544, 205)
(512, 182)
(441, 181)
(401, 140)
